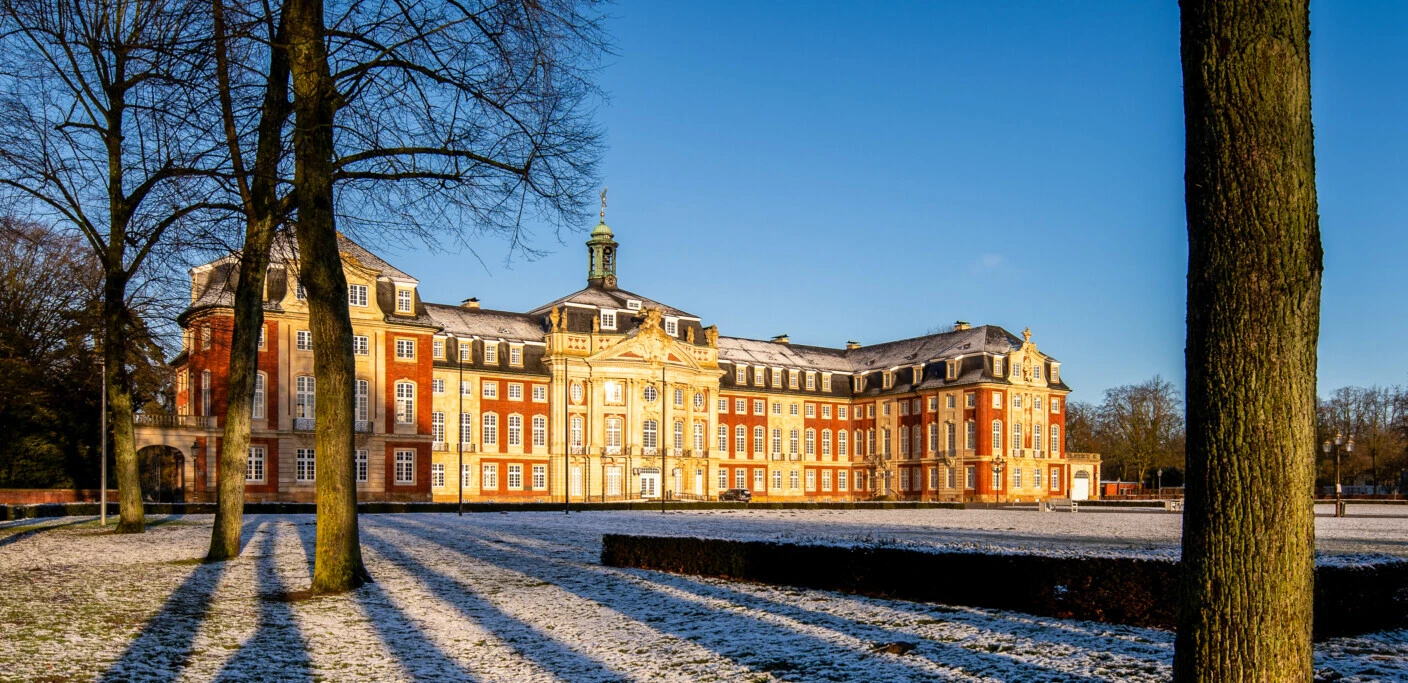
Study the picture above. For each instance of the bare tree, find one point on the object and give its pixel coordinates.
(103, 127)
(1254, 268)
(1140, 425)
(1373, 417)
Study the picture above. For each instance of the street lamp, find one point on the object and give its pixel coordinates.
(999, 464)
(1348, 447)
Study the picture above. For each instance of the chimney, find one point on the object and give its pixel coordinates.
(471, 302)
(961, 325)
(781, 339)
(852, 345)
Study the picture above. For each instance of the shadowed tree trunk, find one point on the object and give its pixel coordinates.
(337, 562)
(263, 215)
(1254, 265)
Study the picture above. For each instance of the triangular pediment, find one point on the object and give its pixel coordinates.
(648, 345)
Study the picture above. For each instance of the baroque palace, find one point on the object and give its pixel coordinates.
(608, 395)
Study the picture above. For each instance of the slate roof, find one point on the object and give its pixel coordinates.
(904, 352)
(485, 323)
(610, 298)
(759, 352)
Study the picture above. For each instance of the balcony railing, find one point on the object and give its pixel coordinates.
(647, 450)
(575, 450)
(362, 426)
(302, 424)
(174, 421)
(439, 446)
(777, 455)
(794, 455)
(611, 450)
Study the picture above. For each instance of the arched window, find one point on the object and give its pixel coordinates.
(1055, 439)
(540, 431)
(915, 439)
(1036, 436)
(304, 396)
(205, 392)
(723, 438)
(576, 431)
(777, 440)
(515, 430)
(740, 439)
(885, 447)
(256, 410)
(996, 436)
(491, 428)
(650, 434)
(870, 442)
(826, 442)
(811, 442)
(841, 445)
(758, 440)
(613, 432)
(1016, 435)
(904, 441)
(933, 437)
(792, 441)
(405, 403)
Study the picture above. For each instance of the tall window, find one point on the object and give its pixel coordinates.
(360, 402)
(257, 410)
(740, 439)
(952, 437)
(303, 398)
(971, 438)
(540, 431)
(515, 430)
(678, 435)
(405, 403)
(303, 464)
(679, 397)
(359, 464)
(826, 442)
(437, 386)
(1055, 439)
(723, 438)
(491, 429)
(918, 443)
(792, 441)
(758, 440)
(613, 432)
(491, 353)
(811, 442)
(996, 436)
(540, 477)
(576, 429)
(613, 480)
(723, 478)
(466, 476)
(437, 426)
(205, 393)
(698, 438)
(515, 477)
(841, 443)
(650, 434)
(904, 442)
(886, 445)
(466, 348)
(576, 480)
(437, 475)
(515, 355)
(1016, 435)
(254, 465)
(776, 440)
(303, 340)
(489, 477)
(933, 437)
(793, 480)
(405, 467)
(1036, 436)
(466, 428)
(841, 483)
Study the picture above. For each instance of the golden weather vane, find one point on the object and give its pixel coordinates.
(603, 204)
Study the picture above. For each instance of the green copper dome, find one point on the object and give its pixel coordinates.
(601, 230)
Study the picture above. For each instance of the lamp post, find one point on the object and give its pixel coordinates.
(999, 465)
(1348, 447)
(459, 355)
(103, 439)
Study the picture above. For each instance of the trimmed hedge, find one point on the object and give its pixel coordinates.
(1136, 592)
(12, 512)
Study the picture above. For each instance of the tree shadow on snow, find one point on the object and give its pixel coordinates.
(753, 642)
(546, 651)
(277, 650)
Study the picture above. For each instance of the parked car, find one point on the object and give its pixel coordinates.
(740, 495)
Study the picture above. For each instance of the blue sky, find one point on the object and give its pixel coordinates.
(869, 171)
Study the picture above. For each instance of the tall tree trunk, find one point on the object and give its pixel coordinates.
(1254, 265)
(337, 562)
(262, 218)
(117, 382)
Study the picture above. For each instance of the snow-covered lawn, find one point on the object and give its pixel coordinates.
(521, 597)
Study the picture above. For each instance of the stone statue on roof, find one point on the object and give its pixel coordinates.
(556, 318)
(596, 324)
(711, 335)
(689, 334)
(652, 319)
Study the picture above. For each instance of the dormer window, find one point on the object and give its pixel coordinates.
(826, 382)
(888, 379)
(357, 295)
(1055, 373)
(633, 304)
(740, 374)
(811, 381)
(951, 370)
(777, 378)
(403, 301)
(792, 380)
(760, 376)
(860, 383)
(672, 327)
(515, 355)
(299, 292)
(491, 353)
(997, 366)
(608, 320)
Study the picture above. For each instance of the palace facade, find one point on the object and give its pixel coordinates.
(605, 394)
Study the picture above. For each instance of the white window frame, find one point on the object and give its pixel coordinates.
(490, 390)
(359, 465)
(540, 431)
(515, 430)
(540, 393)
(405, 402)
(404, 300)
(261, 381)
(357, 295)
(515, 391)
(491, 353)
(540, 477)
(361, 345)
(515, 476)
(254, 465)
(405, 349)
(608, 320)
(303, 340)
(489, 429)
(305, 465)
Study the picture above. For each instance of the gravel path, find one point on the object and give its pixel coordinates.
(521, 597)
